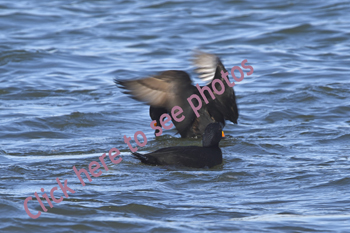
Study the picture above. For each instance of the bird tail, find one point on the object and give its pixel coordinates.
(143, 158)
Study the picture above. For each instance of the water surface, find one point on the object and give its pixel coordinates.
(286, 164)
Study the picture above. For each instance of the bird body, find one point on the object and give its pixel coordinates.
(209, 155)
(188, 156)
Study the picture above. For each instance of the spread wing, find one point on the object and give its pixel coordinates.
(168, 89)
(209, 67)
(206, 64)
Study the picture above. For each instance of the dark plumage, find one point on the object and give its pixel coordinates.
(190, 156)
(172, 88)
(155, 114)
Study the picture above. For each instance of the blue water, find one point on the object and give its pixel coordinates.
(286, 163)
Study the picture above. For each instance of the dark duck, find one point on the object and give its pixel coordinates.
(172, 88)
(209, 155)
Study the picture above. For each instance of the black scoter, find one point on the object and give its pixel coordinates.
(172, 88)
(209, 155)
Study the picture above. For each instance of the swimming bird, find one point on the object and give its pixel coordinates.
(209, 155)
(172, 88)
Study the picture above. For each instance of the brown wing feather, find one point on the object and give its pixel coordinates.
(166, 90)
